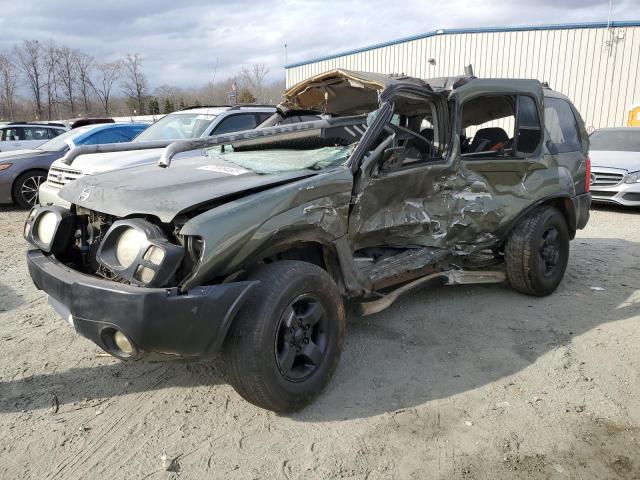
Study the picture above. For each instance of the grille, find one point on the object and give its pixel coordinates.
(59, 176)
(597, 193)
(603, 179)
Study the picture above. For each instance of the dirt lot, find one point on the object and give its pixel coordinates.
(460, 382)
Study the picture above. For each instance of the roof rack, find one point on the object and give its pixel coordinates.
(251, 105)
(44, 124)
(231, 107)
(47, 124)
(191, 107)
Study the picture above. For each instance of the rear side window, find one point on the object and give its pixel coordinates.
(12, 134)
(263, 116)
(529, 131)
(54, 132)
(36, 133)
(561, 127)
(235, 123)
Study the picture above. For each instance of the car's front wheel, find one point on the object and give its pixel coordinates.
(284, 345)
(537, 252)
(25, 188)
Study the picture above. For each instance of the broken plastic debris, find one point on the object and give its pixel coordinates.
(468, 423)
(598, 289)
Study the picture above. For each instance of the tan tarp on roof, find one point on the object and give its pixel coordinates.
(338, 92)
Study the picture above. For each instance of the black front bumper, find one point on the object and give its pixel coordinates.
(156, 320)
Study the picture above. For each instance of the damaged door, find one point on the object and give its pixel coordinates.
(501, 159)
(397, 209)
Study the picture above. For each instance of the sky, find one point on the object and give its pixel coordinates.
(188, 43)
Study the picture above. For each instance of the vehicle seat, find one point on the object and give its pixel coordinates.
(489, 139)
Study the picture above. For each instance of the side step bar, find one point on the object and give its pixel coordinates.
(452, 277)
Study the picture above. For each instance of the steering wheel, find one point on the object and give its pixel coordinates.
(406, 134)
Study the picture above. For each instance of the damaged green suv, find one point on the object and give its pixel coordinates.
(251, 250)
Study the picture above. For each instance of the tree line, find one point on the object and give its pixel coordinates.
(47, 81)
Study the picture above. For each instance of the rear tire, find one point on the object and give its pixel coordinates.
(25, 187)
(284, 345)
(537, 252)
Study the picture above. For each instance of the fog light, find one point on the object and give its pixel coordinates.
(144, 274)
(123, 343)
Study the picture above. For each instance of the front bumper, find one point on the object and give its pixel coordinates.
(627, 194)
(48, 194)
(156, 320)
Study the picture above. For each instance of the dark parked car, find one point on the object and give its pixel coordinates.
(22, 171)
(252, 251)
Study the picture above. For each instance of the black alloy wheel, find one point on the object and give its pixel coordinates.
(537, 252)
(301, 339)
(285, 342)
(549, 252)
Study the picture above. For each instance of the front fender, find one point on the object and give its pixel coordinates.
(237, 232)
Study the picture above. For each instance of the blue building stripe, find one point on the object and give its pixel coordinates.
(458, 31)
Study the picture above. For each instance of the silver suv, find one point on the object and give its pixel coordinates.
(193, 122)
(20, 135)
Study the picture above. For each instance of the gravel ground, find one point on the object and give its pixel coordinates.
(460, 382)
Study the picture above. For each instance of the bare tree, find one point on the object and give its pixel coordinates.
(85, 65)
(254, 76)
(107, 76)
(8, 80)
(134, 83)
(30, 60)
(51, 57)
(67, 74)
(168, 97)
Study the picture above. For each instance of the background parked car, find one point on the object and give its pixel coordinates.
(22, 171)
(615, 165)
(17, 135)
(193, 122)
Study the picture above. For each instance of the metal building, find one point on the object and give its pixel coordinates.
(595, 64)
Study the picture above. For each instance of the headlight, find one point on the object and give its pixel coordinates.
(128, 245)
(49, 228)
(633, 177)
(46, 227)
(138, 251)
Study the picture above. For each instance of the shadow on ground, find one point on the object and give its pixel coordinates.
(431, 344)
(10, 207)
(9, 299)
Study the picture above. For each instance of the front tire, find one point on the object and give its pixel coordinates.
(537, 252)
(284, 345)
(25, 187)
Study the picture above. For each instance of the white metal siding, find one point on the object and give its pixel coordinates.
(603, 82)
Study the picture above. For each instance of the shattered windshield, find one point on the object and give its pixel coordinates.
(284, 160)
(177, 126)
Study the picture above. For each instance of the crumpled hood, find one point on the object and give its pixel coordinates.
(629, 161)
(166, 192)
